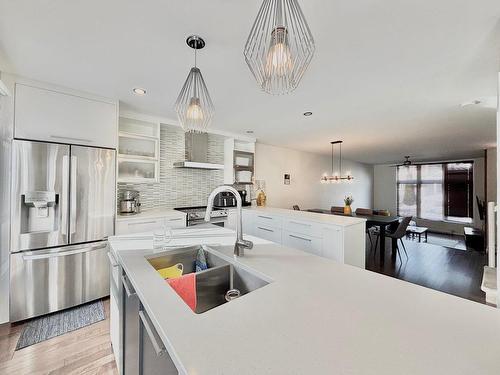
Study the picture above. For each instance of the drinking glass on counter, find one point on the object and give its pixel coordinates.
(161, 237)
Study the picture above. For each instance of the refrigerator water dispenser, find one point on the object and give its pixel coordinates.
(39, 211)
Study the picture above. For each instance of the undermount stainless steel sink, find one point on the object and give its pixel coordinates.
(211, 284)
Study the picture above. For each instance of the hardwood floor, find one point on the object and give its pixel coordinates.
(449, 270)
(84, 351)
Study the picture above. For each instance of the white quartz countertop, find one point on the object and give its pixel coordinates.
(308, 216)
(315, 317)
(155, 213)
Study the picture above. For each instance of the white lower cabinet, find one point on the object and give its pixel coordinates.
(137, 225)
(114, 307)
(232, 219)
(332, 244)
(303, 242)
(267, 233)
(344, 244)
(248, 222)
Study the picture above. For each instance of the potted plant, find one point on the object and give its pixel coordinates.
(347, 204)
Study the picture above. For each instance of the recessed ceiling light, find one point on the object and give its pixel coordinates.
(139, 91)
(308, 113)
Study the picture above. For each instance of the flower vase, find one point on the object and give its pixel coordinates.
(347, 210)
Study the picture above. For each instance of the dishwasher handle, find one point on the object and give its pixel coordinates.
(158, 347)
(128, 288)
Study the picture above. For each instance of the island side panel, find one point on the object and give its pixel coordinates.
(355, 245)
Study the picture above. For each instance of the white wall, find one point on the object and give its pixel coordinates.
(306, 169)
(385, 196)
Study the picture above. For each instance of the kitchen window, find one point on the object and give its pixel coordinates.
(436, 191)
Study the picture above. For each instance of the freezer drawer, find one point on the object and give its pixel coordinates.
(45, 281)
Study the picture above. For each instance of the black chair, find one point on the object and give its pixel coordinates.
(337, 209)
(296, 207)
(398, 234)
(367, 212)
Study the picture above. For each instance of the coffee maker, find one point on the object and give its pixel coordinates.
(130, 203)
(244, 198)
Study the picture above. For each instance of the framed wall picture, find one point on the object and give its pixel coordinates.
(287, 179)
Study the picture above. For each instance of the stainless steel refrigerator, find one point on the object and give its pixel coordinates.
(63, 206)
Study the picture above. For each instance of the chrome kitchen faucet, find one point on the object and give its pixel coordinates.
(241, 244)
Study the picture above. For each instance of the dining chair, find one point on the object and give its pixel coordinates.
(337, 209)
(398, 234)
(296, 207)
(368, 229)
(382, 212)
(364, 211)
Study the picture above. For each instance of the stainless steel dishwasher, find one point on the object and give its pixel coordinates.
(130, 329)
(154, 357)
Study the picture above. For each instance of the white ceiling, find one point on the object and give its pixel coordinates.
(388, 76)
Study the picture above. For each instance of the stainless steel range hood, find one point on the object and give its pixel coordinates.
(197, 153)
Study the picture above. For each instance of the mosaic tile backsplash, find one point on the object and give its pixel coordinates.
(180, 187)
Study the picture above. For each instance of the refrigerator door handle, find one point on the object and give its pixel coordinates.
(72, 204)
(64, 199)
(64, 253)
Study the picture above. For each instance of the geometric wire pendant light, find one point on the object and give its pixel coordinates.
(280, 46)
(194, 106)
(336, 177)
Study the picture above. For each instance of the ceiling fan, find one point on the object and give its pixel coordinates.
(405, 163)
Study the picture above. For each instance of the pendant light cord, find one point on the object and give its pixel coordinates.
(332, 159)
(340, 160)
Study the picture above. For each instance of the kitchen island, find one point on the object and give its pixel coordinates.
(315, 316)
(340, 238)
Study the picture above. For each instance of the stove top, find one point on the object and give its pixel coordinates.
(198, 212)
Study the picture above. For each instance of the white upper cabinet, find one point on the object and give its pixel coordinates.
(138, 150)
(49, 115)
(239, 160)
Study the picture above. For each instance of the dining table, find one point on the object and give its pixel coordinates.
(383, 223)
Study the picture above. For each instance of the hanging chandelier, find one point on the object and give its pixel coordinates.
(194, 106)
(336, 177)
(280, 46)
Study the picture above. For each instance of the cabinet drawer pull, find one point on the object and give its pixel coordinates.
(175, 219)
(265, 217)
(143, 223)
(300, 238)
(267, 230)
(296, 222)
(159, 348)
(128, 288)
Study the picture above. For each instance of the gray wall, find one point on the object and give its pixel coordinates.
(180, 187)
